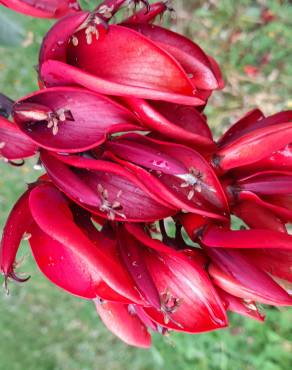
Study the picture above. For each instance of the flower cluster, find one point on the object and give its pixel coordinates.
(134, 209)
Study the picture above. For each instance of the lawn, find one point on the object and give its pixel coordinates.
(44, 329)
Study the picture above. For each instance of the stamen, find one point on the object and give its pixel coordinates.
(191, 194)
(106, 11)
(75, 41)
(169, 305)
(110, 208)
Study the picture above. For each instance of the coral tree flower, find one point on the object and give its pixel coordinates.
(129, 159)
(43, 8)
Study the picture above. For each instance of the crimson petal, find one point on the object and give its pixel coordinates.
(78, 120)
(63, 266)
(237, 275)
(124, 324)
(191, 57)
(50, 211)
(268, 183)
(258, 217)
(242, 307)
(217, 237)
(105, 188)
(178, 122)
(191, 302)
(181, 173)
(43, 8)
(275, 262)
(254, 146)
(18, 222)
(13, 143)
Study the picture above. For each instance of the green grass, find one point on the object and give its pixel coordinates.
(41, 327)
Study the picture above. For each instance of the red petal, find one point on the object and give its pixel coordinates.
(268, 183)
(18, 222)
(278, 204)
(257, 217)
(148, 16)
(131, 253)
(82, 182)
(126, 326)
(275, 262)
(137, 62)
(254, 146)
(13, 144)
(55, 73)
(181, 123)
(183, 174)
(193, 224)
(55, 43)
(252, 121)
(43, 8)
(185, 286)
(51, 212)
(91, 118)
(260, 238)
(279, 160)
(241, 126)
(59, 263)
(191, 57)
(235, 274)
(243, 307)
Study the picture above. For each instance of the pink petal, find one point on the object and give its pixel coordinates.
(88, 118)
(43, 8)
(51, 212)
(190, 56)
(86, 179)
(126, 326)
(13, 143)
(238, 276)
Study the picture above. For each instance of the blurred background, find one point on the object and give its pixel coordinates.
(42, 328)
